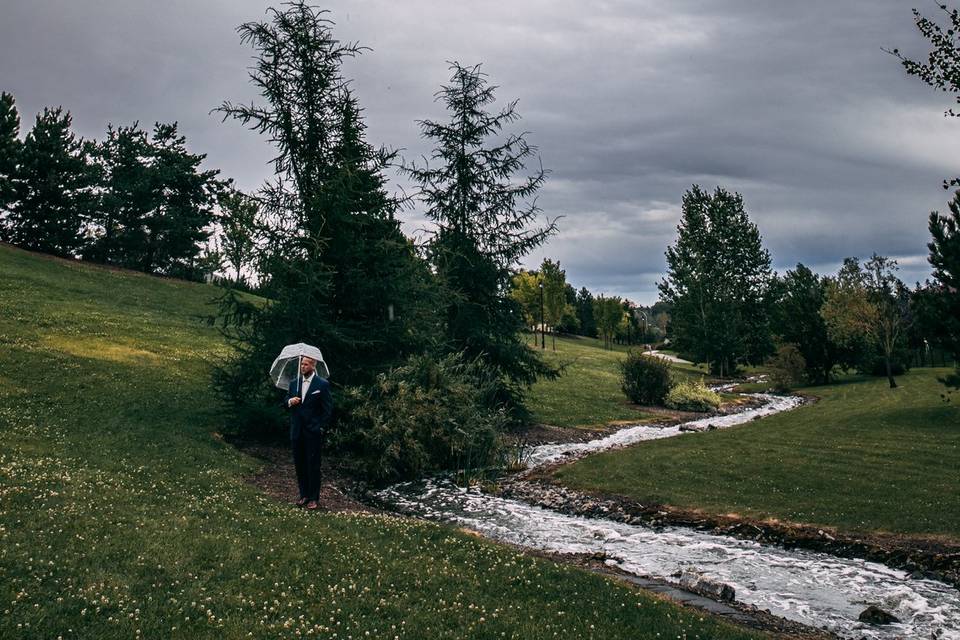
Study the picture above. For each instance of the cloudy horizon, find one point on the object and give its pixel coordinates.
(835, 150)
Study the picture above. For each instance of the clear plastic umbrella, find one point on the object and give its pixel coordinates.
(286, 367)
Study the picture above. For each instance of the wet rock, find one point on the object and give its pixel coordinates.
(689, 427)
(706, 586)
(876, 615)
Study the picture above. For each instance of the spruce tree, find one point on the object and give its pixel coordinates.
(796, 320)
(588, 324)
(55, 183)
(486, 221)
(179, 226)
(945, 260)
(9, 155)
(156, 205)
(127, 197)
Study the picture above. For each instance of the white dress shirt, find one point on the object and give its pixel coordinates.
(304, 387)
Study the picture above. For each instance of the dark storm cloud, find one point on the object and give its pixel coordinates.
(795, 105)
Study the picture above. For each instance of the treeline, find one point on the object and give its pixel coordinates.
(728, 308)
(550, 304)
(136, 199)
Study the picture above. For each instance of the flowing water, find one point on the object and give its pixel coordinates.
(817, 589)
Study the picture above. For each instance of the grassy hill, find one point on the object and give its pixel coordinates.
(588, 393)
(864, 458)
(122, 514)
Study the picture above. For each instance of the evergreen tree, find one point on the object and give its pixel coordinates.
(128, 196)
(485, 219)
(156, 205)
(178, 227)
(718, 283)
(337, 269)
(588, 325)
(55, 182)
(797, 321)
(945, 260)
(9, 155)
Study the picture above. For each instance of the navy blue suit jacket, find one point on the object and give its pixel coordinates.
(312, 416)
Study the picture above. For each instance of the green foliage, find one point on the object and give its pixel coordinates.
(718, 283)
(238, 220)
(692, 395)
(796, 320)
(554, 295)
(156, 205)
(339, 272)
(608, 315)
(54, 188)
(9, 155)
(424, 416)
(869, 305)
(859, 459)
(569, 320)
(940, 69)
(585, 314)
(945, 260)
(645, 379)
(787, 368)
(525, 290)
(486, 222)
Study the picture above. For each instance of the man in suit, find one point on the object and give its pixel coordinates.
(311, 405)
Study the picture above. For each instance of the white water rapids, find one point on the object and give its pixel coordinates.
(817, 589)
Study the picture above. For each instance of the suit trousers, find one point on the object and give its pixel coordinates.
(306, 460)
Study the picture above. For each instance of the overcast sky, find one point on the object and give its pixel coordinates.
(793, 104)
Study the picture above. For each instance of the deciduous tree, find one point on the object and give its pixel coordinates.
(717, 282)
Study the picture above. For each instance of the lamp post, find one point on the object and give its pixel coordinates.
(543, 340)
(643, 315)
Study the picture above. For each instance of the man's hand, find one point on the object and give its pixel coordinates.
(294, 401)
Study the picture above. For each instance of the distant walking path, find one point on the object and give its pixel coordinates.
(666, 356)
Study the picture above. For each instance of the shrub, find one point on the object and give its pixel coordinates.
(645, 379)
(787, 368)
(425, 416)
(692, 395)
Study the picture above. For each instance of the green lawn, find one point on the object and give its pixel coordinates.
(122, 515)
(588, 393)
(864, 458)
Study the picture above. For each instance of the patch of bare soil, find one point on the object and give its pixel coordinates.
(278, 479)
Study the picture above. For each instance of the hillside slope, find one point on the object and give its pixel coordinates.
(122, 515)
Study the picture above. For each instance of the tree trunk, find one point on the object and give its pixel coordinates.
(893, 383)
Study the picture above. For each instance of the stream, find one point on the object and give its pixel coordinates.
(817, 589)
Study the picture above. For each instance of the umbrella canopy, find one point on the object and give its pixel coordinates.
(286, 367)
